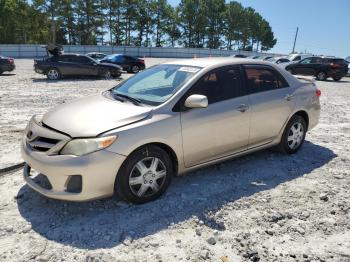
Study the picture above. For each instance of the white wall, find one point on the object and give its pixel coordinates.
(30, 51)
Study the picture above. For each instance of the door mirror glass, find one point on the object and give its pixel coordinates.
(196, 101)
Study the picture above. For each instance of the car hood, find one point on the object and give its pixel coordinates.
(93, 115)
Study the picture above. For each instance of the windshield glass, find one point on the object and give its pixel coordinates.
(157, 84)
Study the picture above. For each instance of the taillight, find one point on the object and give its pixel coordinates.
(334, 66)
(10, 60)
(142, 61)
(318, 92)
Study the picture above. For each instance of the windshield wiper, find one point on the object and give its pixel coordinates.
(132, 99)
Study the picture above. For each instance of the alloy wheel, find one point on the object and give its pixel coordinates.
(107, 74)
(147, 177)
(321, 76)
(53, 74)
(135, 69)
(295, 135)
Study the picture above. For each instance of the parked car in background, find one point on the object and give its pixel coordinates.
(239, 56)
(293, 58)
(320, 67)
(128, 63)
(56, 67)
(167, 120)
(347, 59)
(278, 60)
(96, 56)
(7, 64)
(255, 57)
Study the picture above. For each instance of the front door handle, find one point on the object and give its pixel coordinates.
(242, 108)
(289, 97)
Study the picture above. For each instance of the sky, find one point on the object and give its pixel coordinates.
(324, 25)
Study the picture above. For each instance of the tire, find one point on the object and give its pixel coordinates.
(106, 74)
(336, 79)
(138, 187)
(293, 138)
(1, 72)
(53, 74)
(134, 69)
(321, 76)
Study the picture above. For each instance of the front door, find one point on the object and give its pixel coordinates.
(222, 128)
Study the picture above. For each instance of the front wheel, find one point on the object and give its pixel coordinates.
(294, 135)
(106, 74)
(145, 175)
(53, 74)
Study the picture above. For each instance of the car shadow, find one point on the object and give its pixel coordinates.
(107, 223)
(7, 74)
(69, 79)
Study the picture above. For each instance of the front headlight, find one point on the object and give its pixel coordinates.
(85, 146)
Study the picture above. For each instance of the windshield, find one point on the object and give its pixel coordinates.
(348, 59)
(157, 84)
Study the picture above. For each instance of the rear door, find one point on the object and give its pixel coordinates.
(271, 101)
(65, 64)
(223, 127)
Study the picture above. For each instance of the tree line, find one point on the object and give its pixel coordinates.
(193, 23)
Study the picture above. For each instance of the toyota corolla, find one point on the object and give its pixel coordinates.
(164, 121)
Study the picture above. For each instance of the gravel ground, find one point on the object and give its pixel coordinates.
(266, 206)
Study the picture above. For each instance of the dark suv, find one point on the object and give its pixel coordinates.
(58, 66)
(7, 64)
(320, 67)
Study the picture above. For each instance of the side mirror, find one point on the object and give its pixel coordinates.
(196, 101)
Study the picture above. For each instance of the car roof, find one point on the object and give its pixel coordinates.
(217, 61)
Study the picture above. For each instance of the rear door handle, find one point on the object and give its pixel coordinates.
(289, 97)
(242, 108)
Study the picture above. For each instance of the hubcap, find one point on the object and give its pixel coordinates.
(322, 76)
(107, 74)
(135, 69)
(147, 177)
(295, 135)
(53, 74)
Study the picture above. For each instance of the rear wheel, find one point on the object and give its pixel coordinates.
(135, 69)
(322, 76)
(53, 74)
(337, 78)
(145, 175)
(294, 135)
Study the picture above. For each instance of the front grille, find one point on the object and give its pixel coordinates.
(43, 144)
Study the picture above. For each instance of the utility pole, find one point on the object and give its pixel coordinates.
(295, 39)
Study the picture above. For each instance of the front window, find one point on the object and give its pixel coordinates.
(157, 84)
(306, 61)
